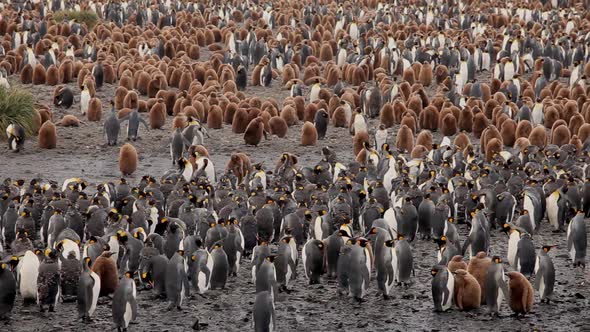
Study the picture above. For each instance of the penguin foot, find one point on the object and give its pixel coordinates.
(51, 308)
(41, 309)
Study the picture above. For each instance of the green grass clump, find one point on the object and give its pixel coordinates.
(16, 106)
(87, 17)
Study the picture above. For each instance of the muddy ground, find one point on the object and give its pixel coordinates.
(81, 152)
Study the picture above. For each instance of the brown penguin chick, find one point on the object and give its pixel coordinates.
(26, 74)
(425, 76)
(428, 118)
(405, 139)
(309, 135)
(240, 121)
(142, 82)
(239, 164)
(215, 118)
(575, 122)
(467, 291)
(120, 94)
(66, 72)
(493, 147)
(326, 52)
(179, 121)
(575, 141)
(424, 138)
(52, 77)
(157, 115)
(560, 135)
(538, 136)
(449, 125)
(441, 72)
(47, 136)
(94, 110)
(408, 75)
(278, 126)
(456, 263)
(359, 141)
(39, 74)
(386, 116)
(584, 132)
(106, 269)
(46, 115)
(461, 141)
(197, 150)
(339, 118)
(128, 159)
(478, 268)
(523, 129)
(410, 121)
(480, 122)
(69, 121)
(131, 100)
(289, 114)
(254, 132)
(507, 131)
(465, 122)
(419, 151)
(521, 293)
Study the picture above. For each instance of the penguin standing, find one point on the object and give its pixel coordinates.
(544, 274)
(112, 127)
(106, 270)
(556, 209)
(521, 293)
(263, 314)
(320, 122)
(48, 281)
(359, 272)
(7, 291)
(241, 78)
(577, 241)
(124, 306)
(286, 262)
(525, 255)
(266, 277)
(27, 275)
(402, 261)
(177, 286)
(220, 270)
(312, 256)
(496, 289)
(200, 269)
(443, 288)
(84, 99)
(88, 291)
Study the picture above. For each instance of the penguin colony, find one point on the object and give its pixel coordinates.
(512, 160)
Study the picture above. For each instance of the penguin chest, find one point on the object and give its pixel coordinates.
(553, 209)
(446, 305)
(127, 314)
(528, 205)
(512, 248)
(95, 292)
(359, 124)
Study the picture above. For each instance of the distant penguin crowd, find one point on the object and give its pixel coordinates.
(461, 115)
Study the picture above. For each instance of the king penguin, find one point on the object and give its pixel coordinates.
(496, 289)
(544, 274)
(177, 286)
(88, 291)
(263, 313)
(124, 306)
(577, 241)
(133, 121)
(7, 291)
(112, 127)
(443, 287)
(312, 256)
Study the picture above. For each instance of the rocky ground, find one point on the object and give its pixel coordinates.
(82, 152)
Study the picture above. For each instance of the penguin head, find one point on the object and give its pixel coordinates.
(271, 258)
(180, 252)
(129, 274)
(51, 253)
(26, 213)
(547, 248)
(87, 261)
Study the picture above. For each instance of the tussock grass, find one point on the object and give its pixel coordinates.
(16, 106)
(87, 17)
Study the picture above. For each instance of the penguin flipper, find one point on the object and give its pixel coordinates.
(538, 275)
(144, 123)
(504, 289)
(133, 303)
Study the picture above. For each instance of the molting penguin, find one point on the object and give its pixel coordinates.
(48, 282)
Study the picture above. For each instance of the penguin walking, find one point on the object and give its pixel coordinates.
(7, 291)
(124, 306)
(266, 277)
(544, 274)
(577, 241)
(48, 281)
(133, 121)
(263, 314)
(88, 291)
(312, 256)
(496, 289)
(16, 137)
(220, 270)
(27, 274)
(177, 286)
(443, 288)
